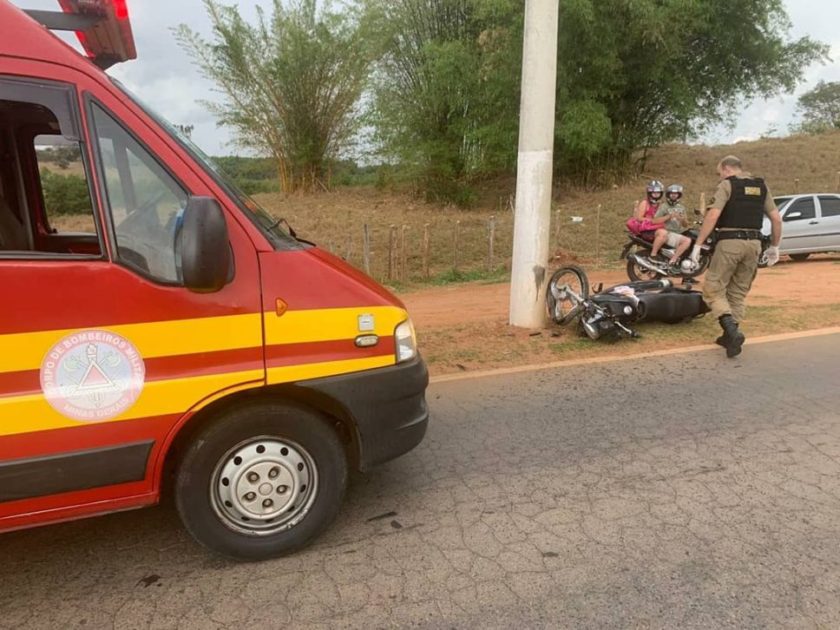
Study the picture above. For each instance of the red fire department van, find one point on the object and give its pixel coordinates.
(176, 336)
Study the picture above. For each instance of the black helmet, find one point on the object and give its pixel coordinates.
(654, 191)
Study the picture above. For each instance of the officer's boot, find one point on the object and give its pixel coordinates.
(732, 338)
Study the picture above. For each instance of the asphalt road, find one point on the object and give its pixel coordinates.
(683, 492)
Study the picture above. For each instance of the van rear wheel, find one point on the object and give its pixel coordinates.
(262, 481)
(799, 257)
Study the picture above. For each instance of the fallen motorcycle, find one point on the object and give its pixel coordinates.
(609, 313)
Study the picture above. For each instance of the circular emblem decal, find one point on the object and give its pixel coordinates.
(92, 375)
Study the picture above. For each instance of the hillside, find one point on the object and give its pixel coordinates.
(335, 219)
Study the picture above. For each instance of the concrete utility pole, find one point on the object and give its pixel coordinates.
(534, 168)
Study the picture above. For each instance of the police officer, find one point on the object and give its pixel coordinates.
(736, 215)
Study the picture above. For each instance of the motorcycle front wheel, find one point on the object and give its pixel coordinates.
(567, 289)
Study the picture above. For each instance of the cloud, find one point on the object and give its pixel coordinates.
(166, 78)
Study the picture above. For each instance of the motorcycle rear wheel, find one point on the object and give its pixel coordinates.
(562, 307)
(637, 273)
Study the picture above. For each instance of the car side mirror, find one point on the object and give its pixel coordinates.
(792, 216)
(206, 259)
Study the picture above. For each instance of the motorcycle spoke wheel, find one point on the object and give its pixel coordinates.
(567, 287)
(637, 273)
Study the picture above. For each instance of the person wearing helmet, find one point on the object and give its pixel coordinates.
(644, 211)
(673, 217)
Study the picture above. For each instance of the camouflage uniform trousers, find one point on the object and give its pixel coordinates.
(730, 276)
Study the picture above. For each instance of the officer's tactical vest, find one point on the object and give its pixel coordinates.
(745, 208)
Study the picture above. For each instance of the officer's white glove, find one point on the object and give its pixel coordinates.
(772, 255)
(695, 254)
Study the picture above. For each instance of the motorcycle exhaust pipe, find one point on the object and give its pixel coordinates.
(648, 265)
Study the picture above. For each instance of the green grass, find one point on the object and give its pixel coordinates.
(452, 276)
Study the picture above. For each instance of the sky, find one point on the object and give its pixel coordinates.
(167, 80)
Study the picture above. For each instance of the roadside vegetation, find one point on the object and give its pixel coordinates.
(335, 219)
(428, 90)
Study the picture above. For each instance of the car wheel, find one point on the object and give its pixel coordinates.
(261, 481)
(799, 257)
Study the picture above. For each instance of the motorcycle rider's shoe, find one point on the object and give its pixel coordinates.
(732, 338)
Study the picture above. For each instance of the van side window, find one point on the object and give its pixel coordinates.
(805, 206)
(64, 183)
(14, 233)
(830, 206)
(46, 207)
(145, 202)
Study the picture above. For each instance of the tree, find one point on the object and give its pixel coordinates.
(446, 100)
(820, 108)
(65, 194)
(290, 83)
(632, 74)
(636, 73)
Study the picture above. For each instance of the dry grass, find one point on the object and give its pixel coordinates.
(473, 346)
(335, 220)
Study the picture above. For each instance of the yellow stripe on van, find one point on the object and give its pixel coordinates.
(23, 414)
(329, 324)
(26, 351)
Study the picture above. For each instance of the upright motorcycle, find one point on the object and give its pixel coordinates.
(642, 266)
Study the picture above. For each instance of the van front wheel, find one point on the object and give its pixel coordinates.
(262, 481)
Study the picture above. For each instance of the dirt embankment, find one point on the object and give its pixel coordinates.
(464, 327)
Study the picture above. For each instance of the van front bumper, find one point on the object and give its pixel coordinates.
(387, 406)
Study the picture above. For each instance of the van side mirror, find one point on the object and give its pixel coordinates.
(206, 259)
(792, 216)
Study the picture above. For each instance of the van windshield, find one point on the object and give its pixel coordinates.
(270, 226)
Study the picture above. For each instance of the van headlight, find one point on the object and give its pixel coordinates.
(405, 340)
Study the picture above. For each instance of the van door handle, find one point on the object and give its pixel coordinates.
(813, 222)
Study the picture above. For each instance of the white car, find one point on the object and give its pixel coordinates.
(810, 224)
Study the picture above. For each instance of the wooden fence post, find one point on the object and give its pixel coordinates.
(796, 186)
(837, 182)
(491, 238)
(702, 204)
(392, 252)
(426, 247)
(557, 230)
(403, 255)
(456, 244)
(598, 236)
(366, 249)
